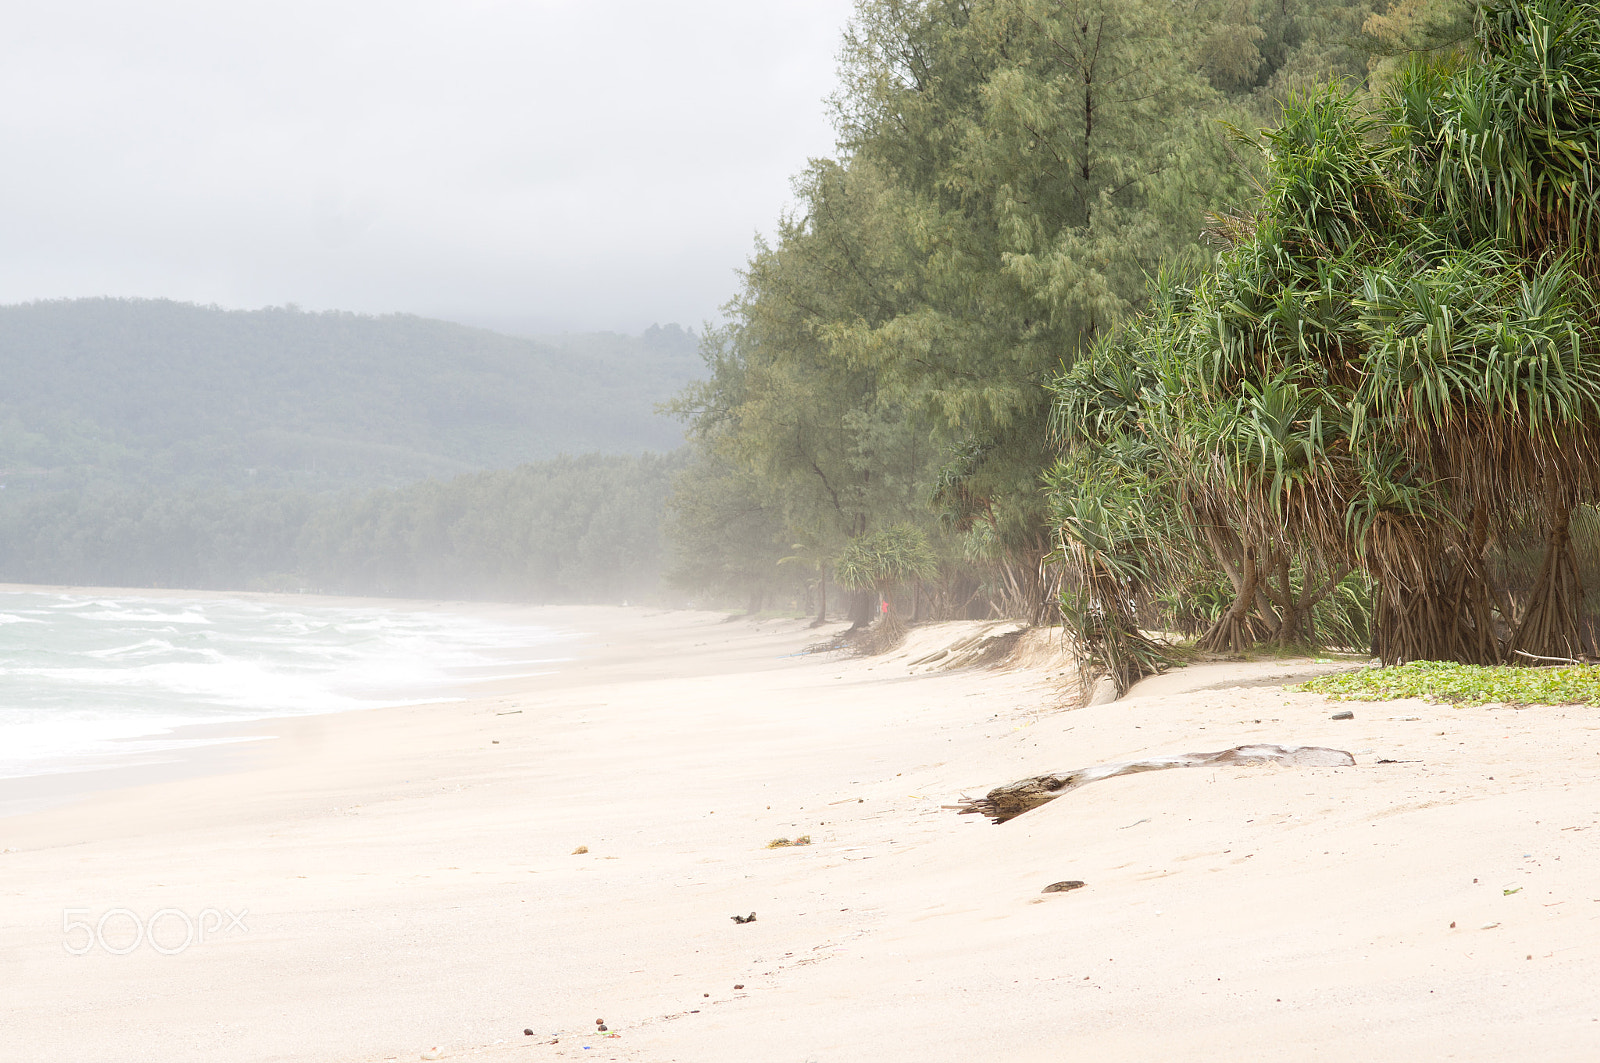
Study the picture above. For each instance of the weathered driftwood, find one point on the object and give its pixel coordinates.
(1008, 802)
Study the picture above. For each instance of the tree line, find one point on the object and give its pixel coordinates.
(153, 443)
(1391, 372)
(1252, 321)
(570, 529)
(172, 395)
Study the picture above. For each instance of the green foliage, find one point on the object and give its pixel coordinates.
(572, 529)
(726, 533)
(1010, 172)
(881, 559)
(1467, 684)
(1301, 44)
(1394, 366)
(1046, 157)
(163, 394)
(150, 443)
(1412, 26)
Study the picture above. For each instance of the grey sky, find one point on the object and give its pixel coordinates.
(543, 163)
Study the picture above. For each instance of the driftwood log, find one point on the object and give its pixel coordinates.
(1008, 802)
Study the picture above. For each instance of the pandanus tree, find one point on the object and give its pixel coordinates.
(1481, 369)
(1392, 368)
(885, 561)
(1485, 366)
(1484, 381)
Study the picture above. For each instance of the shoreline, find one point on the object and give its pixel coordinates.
(411, 880)
(222, 746)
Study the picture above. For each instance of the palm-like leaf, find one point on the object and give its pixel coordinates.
(1397, 362)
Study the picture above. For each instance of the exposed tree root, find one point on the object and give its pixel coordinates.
(1549, 626)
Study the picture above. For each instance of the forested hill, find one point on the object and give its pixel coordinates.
(162, 393)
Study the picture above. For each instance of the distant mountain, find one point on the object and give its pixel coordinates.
(162, 393)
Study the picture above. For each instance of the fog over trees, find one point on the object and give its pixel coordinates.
(151, 443)
(1242, 321)
(161, 393)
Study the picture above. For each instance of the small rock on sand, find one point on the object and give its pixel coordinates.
(1064, 886)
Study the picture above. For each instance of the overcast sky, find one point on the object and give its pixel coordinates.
(549, 164)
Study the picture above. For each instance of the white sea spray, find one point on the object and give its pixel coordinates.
(91, 682)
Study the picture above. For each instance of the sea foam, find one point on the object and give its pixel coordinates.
(96, 682)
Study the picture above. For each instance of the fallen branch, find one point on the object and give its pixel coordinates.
(1554, 660)
(1008, 802)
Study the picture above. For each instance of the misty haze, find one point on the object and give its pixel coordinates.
(723, 531)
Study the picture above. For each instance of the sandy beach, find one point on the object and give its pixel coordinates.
(401, 883)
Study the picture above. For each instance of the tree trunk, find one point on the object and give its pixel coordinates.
(1032, 596)
(1549, 625)
(1439, 609)
(1298, 625)
(1110, 635)
(863, 608)
(1237, 629)
(822, 599)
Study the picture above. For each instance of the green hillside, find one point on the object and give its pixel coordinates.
(584, 528)
(160, 393)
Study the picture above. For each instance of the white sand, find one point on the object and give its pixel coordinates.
(410, 884)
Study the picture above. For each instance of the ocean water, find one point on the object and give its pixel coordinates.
(92, 682)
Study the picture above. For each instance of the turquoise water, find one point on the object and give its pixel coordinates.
(91, 682)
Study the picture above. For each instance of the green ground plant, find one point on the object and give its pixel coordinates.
(1464, 684)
